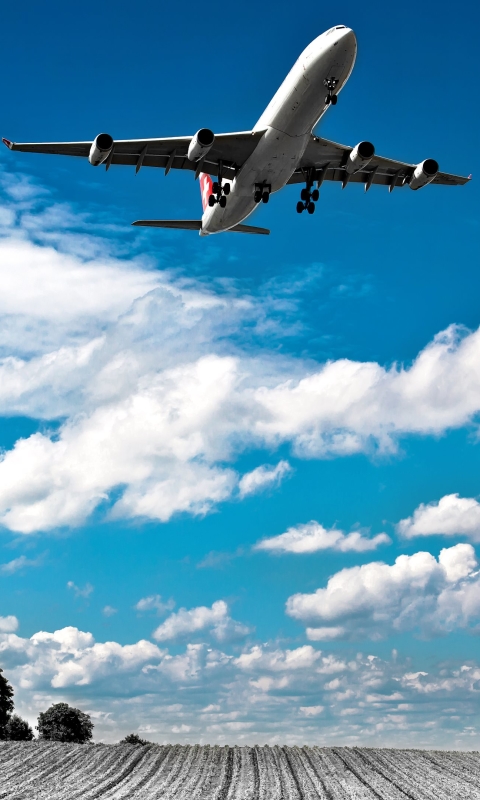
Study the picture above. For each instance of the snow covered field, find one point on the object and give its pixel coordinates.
(187, 772)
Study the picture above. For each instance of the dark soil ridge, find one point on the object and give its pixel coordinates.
(58, 771)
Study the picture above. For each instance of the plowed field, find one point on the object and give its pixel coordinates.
(190, 772)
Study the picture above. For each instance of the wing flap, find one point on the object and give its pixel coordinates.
(331, 157)
(232, 149)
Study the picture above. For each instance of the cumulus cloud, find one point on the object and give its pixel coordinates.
(215, 619)
(452, 515)
(417, 592)
(313, 537)
(263, 477)
(265, 693)
(8, 624)
(86, 591)
(157, 384)
(154, 602)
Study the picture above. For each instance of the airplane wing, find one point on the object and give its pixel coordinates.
(328, 159)
(232, 149)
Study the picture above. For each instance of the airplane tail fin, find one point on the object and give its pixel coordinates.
(206, 184)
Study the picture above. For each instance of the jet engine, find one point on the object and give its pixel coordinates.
(424, 173)
(201, 143)
(359, 157)
(100, 149)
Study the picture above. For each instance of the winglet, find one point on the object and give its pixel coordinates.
(8, 143)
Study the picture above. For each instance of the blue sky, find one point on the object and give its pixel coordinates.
(168, 402)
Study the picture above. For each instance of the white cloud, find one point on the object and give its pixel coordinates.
(452, 515)
(417, 592)
(78, 591)
(158, 384)
(311, 711)
(266, 693)
(215, 619)
(154, 602)
(263, 477)
(8, 624)
(109, 611)
(18, 564)
(313, 537)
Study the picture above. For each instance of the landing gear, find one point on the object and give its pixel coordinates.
(330, 84)
(261, 193)
(220, 191)
(308, 196)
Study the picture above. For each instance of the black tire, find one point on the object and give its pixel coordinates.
(257, 196)
(223, 201)
(226, 189)
(327, 100)
(311, 208)
(315, 195)
(215, 187)
(305, 195)
(334, 100)
(266, 197)
(211, 200)
(300, 207)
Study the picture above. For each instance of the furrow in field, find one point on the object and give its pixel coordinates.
(31, 753)
(30, 777)
(456, 770)
(134, 787)
(185, 783)
(72, 763)
(327, 767)
(313, 784)
(290, 787)
(211, 780)
(448, 783)
(398, 766)
(157, 783)
(100, 784)
(380, 786)
(270, 787)
(105, 760)
(124, 784)
(244, 783)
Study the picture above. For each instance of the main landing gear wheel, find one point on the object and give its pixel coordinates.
(311, 208)
(305, 195)
(223, 201)
(300, 207)
(226, 189)
(315, 195)
(212, 200)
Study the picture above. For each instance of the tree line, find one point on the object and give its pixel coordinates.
(59, 723)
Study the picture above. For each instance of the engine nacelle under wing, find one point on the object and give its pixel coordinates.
(100, 149)
(201, 143)
(424, 173)
(360, 156)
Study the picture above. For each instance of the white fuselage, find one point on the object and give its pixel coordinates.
(288, 122)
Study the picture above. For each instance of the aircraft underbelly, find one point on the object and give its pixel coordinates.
(271, 164)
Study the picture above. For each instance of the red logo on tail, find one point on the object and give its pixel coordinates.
(205, 188)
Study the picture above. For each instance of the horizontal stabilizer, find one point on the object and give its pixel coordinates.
(184, 224)
(194, 225)
(249, 229)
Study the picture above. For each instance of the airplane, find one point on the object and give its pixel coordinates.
(281, 149)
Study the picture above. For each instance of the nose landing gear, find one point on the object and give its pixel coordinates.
(330, 84)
